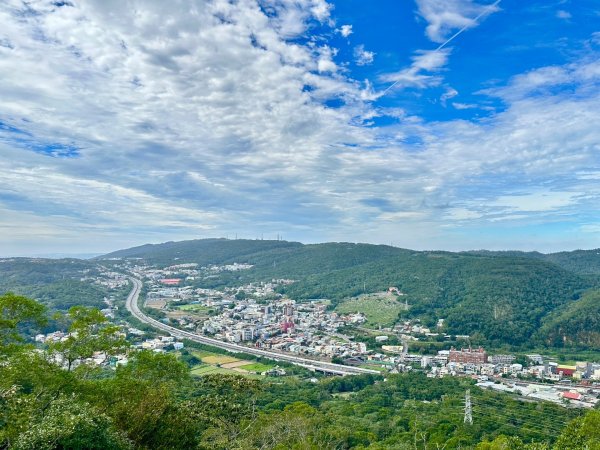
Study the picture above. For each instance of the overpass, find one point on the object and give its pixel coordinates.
(337, 369)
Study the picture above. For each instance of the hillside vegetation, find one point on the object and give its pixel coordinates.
(154, 402)
(54, 282)
(499, 298)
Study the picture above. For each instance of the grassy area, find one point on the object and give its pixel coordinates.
(195, 307)
(218, 359)
(380, 309)
(378, 367)
(256, 367)
(202, 353)
(208, 369)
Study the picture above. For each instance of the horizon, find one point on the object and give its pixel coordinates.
(427, 124)
(92, 255)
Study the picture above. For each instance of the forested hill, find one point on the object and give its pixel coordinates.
(54, 282)
(203, 251)
(583, 262)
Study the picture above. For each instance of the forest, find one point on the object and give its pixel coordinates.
(50, 398)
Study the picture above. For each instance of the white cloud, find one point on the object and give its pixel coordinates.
(562, 14)
(363, 57)
(209, 120)
(446, 16)
(345, 30)
(450, 93)
(535, 202)
(462, 106)
(421, 72)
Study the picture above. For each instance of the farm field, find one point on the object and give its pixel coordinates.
(256, 367)
(379, 309)
(219, 359)
(208, 369)
(213, 363)
(195, 307)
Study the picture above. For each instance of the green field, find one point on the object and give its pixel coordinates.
(257, 367)
(195, 307)
(208, 369)
(218, 359)
(380, 309)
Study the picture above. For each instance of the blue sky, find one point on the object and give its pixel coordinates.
(427, 124)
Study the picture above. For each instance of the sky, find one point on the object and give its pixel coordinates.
(424, 124)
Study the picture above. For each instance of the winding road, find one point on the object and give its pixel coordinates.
(338, 369)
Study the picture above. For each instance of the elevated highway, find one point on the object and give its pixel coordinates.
(337, 369)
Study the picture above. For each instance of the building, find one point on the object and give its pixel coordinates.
(566, 371)
(288, 310)
(536, 359)
(468, 356)
(571, 395)
(502, 359)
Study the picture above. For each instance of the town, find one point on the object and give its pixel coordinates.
(256, 315)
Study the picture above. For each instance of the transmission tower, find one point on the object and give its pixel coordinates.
(468, 408)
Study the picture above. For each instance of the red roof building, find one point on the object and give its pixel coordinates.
(170, 281)
(468, 356)
(571, 395)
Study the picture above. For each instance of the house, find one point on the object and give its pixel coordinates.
(571, 395)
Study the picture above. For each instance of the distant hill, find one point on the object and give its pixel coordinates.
(54, 282)
(201, 251)
(496, 297)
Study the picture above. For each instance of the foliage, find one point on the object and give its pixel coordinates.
(54, 282)
(581, 434)
(577, 324)
(379, 309)
(15, 311)
(153, 402)
(89, 333)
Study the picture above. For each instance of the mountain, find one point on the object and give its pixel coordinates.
(499, 298)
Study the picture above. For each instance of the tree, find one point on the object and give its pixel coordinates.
(90, 333)
(70, 424)
(16, 311)
(582, 433)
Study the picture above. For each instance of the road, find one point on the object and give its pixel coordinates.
(338, 369)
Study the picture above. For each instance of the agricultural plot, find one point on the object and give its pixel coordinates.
(194, 307)
(256, 367)
(219, 359)
(208, 369)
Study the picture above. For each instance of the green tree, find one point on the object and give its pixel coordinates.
(581, 434)
(90, 333)
(16, 311)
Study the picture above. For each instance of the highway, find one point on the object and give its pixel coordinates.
(337, 369)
